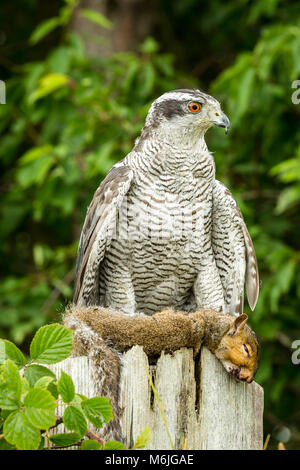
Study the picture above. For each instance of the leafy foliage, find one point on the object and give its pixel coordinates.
(28, 402)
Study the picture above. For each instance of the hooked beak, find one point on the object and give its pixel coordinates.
(222, 121)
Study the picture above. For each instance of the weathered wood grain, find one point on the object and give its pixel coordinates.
(202, 404)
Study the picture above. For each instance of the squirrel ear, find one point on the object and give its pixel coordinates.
(238, 324)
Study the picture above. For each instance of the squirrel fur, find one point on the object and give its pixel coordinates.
(104, 334)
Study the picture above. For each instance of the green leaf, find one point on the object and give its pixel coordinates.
(4, 445)
(25, 386)
(48, 84)
(65, 439)
(149, 46)
(18, 431)
(247, 82)
(60, 60)
(5, 413)
(39, 408)
(66, 387)
(2, 351)
(34, 372)
(36, 172)
(78, 398)
(97, 410)
(9, 350)
(51, 344)
(42, 443)
(114, 445)
(52, 387)
(143, 439)
(43, 382)
(35, 153)
(287, 273)
(288, 198)
(90, 445)
(74, 420)
(96, 17)
(10, 386)
(43, 29)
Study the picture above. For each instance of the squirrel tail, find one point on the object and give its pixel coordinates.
(106, 367)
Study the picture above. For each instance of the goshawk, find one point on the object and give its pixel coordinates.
(161, 230)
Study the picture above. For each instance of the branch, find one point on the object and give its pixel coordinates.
(91, 435)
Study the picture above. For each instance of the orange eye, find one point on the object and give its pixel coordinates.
(194, 107)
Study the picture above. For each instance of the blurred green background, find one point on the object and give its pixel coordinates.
(80, 77)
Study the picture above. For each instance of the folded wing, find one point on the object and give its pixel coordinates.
(99, 227)
(234, 251)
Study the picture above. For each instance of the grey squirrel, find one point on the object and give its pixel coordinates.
(104, 335)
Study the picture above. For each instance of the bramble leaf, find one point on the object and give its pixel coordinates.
(65, 387)
(34, 372)
(39, 408)
(51, 344)
(90, 445)
(43, 382)
(18, 431)
(10, 386)
(97, 410)
(9, 350)
(65, 439)
(74, 420)
(114, 445)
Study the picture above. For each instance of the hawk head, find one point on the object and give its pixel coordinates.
(186, 112)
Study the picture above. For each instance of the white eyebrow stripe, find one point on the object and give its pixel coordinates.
(187, 96)
(176, 96)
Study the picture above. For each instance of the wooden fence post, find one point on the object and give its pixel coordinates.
(202, 404)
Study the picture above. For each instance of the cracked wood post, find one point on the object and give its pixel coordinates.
(202, 404)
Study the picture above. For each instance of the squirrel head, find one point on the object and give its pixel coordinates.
(239, 350)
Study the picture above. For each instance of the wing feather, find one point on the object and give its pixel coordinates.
(234, 251)
(97, 230)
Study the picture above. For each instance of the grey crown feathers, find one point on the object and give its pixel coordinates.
(161, 230)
